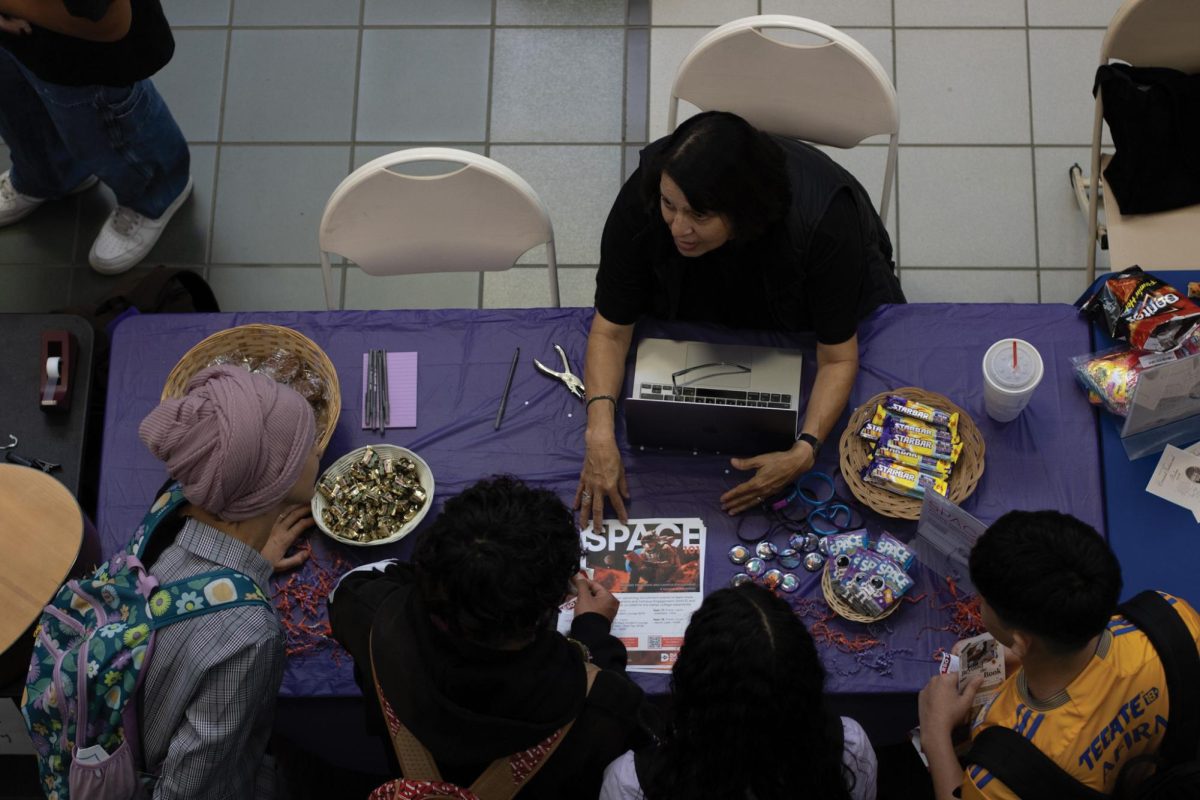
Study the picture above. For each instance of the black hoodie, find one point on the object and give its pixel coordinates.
(470, 704)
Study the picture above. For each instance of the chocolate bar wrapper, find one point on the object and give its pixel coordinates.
(928, 446)
(1139, 308)
(839, 543)
(913, 426)
(930, 466)
(870, 431)
(901, 479)
(925, 413)
(894, 549)
(894, 574)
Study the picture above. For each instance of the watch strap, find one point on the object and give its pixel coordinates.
(813, 442)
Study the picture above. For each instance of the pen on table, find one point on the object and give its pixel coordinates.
(383, 381)
(507, 386)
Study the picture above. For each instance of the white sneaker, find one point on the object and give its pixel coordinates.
(15, 206)
(127, 236)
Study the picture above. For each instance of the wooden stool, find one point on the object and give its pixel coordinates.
(41, 534)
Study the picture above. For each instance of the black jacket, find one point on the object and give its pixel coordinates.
(469, 704)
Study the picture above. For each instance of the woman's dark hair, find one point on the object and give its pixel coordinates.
(724, 164)
(494, 565)
(1048, 574)
(747, 688)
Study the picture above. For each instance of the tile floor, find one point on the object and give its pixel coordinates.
(280, 99)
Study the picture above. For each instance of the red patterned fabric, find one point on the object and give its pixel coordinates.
(526, 762)
(420, 790)
(393, 722)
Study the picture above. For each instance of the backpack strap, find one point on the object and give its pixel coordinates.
(501, 780)
(202, 594)
(166, 504)
(1176, 648)
(1028, 772)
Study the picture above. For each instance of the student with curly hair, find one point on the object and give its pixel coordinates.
(749, 716)
(462, 642)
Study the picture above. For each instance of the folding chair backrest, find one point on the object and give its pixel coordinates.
(833, 93)
(1155, 33)
(481, 216)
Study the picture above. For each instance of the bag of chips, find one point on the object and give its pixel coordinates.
(1110, 376)
(1138, 308)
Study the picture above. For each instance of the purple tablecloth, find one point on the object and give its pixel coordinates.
(1048, 458)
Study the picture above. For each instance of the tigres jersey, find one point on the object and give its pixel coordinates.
(1114, 710)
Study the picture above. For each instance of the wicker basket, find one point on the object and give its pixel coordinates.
(260, 341)
(840, 606)
(342, 466)
(856, 451)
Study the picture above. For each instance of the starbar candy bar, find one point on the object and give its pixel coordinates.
(911, 408)
(916, 426)
(930, 446)
(930, 466)
(901, 479)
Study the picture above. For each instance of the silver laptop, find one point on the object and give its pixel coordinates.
(735, 399)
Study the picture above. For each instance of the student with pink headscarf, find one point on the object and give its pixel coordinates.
(243, 448)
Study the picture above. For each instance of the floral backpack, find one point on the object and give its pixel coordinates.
(92, 645)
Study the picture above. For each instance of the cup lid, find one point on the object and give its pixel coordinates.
(1000, 369)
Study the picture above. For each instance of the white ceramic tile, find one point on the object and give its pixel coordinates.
(440, 290)
(365, 153)
(962, 86)
(296, 12)
(196, 12)
(578, 183)
(47, 236)
(528, 287)
(970, 286)
(700, 12)
(558, 85)
(259, 288)
(88, 287)
(270, 200)
(966, 206)
(423, 85)
(1062, 227)
(834, 12)
(1063, 286)
(191, 84)
(878, 41)
(1072, 13)
(867, 165)
(33, 288)
(290, 85)
(972, 13)
(560, 12)
(424, 12)
(1063, 68)
(668, 48)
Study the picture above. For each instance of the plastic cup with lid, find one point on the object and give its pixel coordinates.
(1012, 369)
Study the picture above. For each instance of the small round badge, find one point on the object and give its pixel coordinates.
(739, 554)
(811, 543)
(814, 561)
(755, 567)
(790, 583)
(772, 578)
(740, 579)
(797, 541)
(790, 558)
(765, 550)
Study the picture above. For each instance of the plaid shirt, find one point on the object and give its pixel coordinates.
(209, 692)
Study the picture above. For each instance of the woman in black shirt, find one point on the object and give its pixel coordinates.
(724, 223)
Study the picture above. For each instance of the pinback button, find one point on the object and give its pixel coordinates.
(814, 561)
(740, 579)
(739, 554)
(790, 558)
(798, 540)
(766, 550)
(811, 542)
(772, 578)
(790, 583)
(755, 567)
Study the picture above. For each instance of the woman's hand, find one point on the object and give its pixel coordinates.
(602, 477)
(294, 521)
(594, 598)
(774, 472)
(14, 26)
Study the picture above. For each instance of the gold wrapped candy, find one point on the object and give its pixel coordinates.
(374, 499)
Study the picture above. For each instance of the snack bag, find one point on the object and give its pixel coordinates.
(1142, 310)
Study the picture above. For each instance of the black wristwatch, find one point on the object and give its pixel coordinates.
(813, 442)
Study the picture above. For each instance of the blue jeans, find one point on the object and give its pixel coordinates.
(60, 135)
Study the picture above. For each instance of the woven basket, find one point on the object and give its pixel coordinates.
(260, 341)
(856, 451)
(840, 606)
(342, 466)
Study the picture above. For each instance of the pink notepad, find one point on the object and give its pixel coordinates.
(402, 390)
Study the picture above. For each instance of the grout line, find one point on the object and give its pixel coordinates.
(341, 269)
(1037, 250)
(515, 143)
(895, 198)
(212, 212)
(487, 126)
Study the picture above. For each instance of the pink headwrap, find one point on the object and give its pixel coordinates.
(236, 441)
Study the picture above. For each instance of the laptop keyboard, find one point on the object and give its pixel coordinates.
(719, 397)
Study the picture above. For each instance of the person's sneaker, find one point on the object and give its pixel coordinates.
(127, 236)
(15, 206)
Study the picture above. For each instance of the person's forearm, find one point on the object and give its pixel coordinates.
(53, 15)
(604, 372)
(831, 391)
(944, 768)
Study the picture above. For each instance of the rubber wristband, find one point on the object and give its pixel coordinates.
(608, 397)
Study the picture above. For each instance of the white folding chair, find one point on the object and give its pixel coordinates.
(1143, 33)
(833, 93)
(480, 217)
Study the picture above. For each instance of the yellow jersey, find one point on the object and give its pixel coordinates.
(1114, 710)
